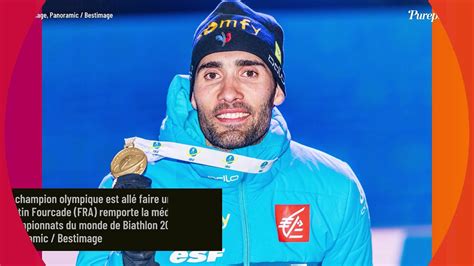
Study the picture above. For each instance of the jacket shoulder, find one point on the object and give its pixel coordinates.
(314, 157)
(316, 170)
(107, 181)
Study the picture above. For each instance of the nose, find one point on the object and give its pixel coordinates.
(230, 90)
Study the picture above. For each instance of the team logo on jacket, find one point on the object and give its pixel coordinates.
(292, 222)
(196, 256)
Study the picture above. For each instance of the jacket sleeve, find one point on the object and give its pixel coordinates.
(97, 258)
(353, 245)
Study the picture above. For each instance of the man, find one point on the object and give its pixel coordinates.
(287, 204)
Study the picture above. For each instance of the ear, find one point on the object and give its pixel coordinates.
(193, 101)
(279, 96)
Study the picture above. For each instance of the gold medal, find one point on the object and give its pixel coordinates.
(130, 160)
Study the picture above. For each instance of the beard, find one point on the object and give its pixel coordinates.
(229, 137)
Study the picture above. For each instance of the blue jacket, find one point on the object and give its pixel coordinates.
(308, 208)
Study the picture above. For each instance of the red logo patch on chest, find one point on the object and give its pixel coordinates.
(292, 222)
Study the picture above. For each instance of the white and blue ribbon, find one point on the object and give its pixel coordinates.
(156, 150)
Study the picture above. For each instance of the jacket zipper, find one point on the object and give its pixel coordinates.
(244, 226)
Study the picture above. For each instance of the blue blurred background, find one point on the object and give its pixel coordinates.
(358, 83)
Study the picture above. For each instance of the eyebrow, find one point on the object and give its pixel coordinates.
(210, 64)
(242, 62)
(239, 62)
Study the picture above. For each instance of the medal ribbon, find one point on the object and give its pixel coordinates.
(156, 150)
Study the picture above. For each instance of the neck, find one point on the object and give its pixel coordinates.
(219, 148)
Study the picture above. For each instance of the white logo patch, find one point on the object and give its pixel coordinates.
(196, 256)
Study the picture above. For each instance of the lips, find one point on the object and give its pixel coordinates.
(232, 115)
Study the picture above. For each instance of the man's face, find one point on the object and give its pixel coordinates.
(234, 93)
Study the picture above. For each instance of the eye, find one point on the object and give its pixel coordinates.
(250, 74)
(211, 76)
